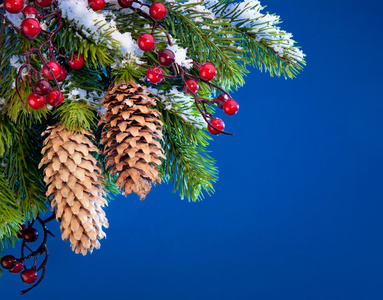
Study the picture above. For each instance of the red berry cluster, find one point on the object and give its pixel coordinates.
(147, 42)
(30, 26)
(9, 262)
(166, 58)
(42, 91)
(28, 234)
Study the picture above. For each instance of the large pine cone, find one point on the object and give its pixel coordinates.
(130, 137)
(75, 187)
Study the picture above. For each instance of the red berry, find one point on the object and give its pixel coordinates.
(62, 75)
(146, 42)
(208, 71)
(20, 233)
(29, 276)
(30, 234)
(35, 101)
(230, 107)
(166, 58)
(8, 262)
(13, 6)
(18, 267)
(76, 61)
(42, 87)
(125, 3)
(30, 12)
(53, 96)
(154, 77)
(193, 86)
(97, 4)
(44, 3)
(217, 123)
(221, 99)
(55, 67)
(158, 11)
(30, 27)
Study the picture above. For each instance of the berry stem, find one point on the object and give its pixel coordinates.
(42, 249)
(177, 69)
(39, 50)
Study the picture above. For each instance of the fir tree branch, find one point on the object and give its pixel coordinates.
(188, 164)
(10, 213)
(20, 163)
(268, 47)
(77, 116)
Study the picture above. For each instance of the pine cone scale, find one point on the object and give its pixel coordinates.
(131, 130)
(73, 177)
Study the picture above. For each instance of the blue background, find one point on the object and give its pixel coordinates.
(297, 210)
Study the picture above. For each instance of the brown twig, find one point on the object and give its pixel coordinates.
(179, 70)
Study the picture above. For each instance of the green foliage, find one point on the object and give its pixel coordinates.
(188, 165)
(6, 138)
(10, 214)
(20, 165)
(127, 72)
(260, 52)
(76, 115)
(72, 40)
(208, 41)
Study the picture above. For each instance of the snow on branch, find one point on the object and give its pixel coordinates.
(95, 26)
(180, 104)
(247, 14)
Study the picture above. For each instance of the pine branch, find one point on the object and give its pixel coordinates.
(21, 172)
(76, 115)
(72, 40)
(188, 165)
(10, 214)
(268, 47)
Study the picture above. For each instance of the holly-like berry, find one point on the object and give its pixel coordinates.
(97, 4)
(55, 67)
(53, 96)
(158, 11)
(42, 87)
(8, 262)
(35, 101)
(221, 99)
(62, 75)
(193, 86)
(30, 234)
(217, 123)
(30, 11)
(207, 71)
(76, 61)
(44, 3)
(166, 57)
(230, 107)
(125, 3)
(30, 27)
(154, 77)
(13, 6)
(29, 276)
(146, 42)
(18, 267)
(20, 232)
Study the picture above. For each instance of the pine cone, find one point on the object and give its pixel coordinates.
(130, 138)
(74, 181)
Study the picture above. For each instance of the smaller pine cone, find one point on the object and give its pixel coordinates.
(74, 181)
(130, 137)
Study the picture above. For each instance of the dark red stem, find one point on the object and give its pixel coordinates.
(42, 249)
